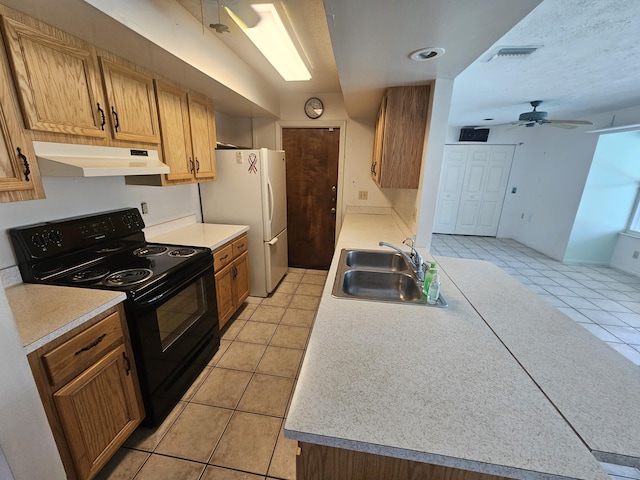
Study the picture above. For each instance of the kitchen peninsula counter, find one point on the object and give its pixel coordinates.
(440, 386)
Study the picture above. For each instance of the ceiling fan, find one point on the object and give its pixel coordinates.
(535, 117)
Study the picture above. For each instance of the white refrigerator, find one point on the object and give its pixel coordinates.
(251, 190)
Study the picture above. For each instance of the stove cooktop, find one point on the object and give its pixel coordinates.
(106, 250)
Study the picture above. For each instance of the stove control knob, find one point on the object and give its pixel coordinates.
(55, 236)
(127, 219)
(39, 240)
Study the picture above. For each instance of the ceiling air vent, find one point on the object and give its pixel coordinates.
(511, 52)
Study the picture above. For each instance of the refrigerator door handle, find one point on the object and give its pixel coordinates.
(273, 241)
(270, 190)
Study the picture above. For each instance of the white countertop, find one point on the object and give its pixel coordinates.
(427, 384)
(595, 388)
(200, 235)
(42, 313)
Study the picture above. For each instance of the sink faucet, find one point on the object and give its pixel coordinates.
(414, 258)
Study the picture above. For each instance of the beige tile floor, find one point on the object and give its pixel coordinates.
(229, 425)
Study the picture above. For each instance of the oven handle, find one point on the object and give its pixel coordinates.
(168, 293)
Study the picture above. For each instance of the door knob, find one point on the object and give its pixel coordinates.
(333, 210)
(333, 188)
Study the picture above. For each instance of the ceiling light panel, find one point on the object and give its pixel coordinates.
(270, 36)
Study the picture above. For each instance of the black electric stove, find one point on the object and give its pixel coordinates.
(106, 250)
(171, 304)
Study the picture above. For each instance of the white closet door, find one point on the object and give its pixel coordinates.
(450, 189)
(472, 189)
(494, 190)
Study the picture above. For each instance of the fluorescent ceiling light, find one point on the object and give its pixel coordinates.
(272, 39)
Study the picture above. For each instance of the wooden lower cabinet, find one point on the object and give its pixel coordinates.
(88, 385)
(231, 266)
(317, 462)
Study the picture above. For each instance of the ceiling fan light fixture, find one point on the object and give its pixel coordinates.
(427, 53)
(271, 37)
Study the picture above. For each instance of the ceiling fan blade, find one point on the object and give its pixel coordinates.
(570, 122)
(568, 126)
(501, 125)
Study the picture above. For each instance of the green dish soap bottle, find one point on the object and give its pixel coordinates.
(428, 275)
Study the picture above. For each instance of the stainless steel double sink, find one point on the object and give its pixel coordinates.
(378, 276)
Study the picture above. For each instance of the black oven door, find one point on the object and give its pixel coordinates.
(174, 336)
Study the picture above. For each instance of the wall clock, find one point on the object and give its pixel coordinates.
(313, 108)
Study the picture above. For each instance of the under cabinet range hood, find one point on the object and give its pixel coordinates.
(71, 160)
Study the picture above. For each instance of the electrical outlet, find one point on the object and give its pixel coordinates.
(363, 195)
(636, 254)
(144, 207)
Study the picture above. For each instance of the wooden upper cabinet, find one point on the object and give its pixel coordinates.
(131, 103)
(188, 133)
(19, 174)
(173, 111)
(399, 137)
(203, 135)
(57, 80)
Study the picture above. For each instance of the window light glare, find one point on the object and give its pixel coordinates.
(273, 41)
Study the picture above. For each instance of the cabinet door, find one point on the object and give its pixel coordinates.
(132, 104)
(400, 134)
(224, 294)
(376, 162)
(19, 176)
(57, 80)
(173, 114)
(241, 279)
(98, 411)
(203, 135)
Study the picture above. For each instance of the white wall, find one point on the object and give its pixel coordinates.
(607, 200)
(25, 435)
(435, 140)
(71, 196)
(356, 153)
(622, 257)
(549, 170)
(234, 130)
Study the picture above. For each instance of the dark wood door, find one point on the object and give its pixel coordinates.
(312, 181)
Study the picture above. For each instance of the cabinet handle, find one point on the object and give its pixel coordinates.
(241, 245)
(224, 258)
(104, 120)
(373, 168)
(27, 169)
(192, 166)
(91, 345)
(115, 115)
(127, 366)
(235, 273)
(197, 165)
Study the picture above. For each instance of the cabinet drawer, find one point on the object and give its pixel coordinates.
(75, 355)
(240, 245)
(221, 257)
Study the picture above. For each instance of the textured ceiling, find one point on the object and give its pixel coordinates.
(589, 64)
